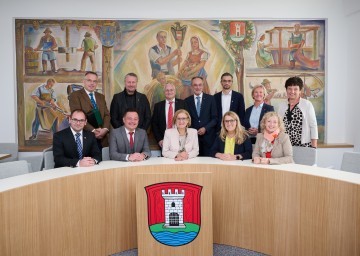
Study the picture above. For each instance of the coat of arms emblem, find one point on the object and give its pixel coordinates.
(174, 212)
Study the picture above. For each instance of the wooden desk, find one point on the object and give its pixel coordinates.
(3, 156)
(278, 210)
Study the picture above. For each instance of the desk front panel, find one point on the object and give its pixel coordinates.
(267, 210)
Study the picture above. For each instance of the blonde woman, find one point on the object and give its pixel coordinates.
(255, 113)
(181, 142)
(233, 142)
(272, 145)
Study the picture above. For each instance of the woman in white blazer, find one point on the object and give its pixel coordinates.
(181, 142)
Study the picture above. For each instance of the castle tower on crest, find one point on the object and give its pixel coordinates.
(174, 210)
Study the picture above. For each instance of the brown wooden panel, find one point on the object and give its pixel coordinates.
(266, 210)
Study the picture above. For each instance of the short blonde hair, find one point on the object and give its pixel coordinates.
(240, 132)
(269, 115)
(258, 86)
(184, 112)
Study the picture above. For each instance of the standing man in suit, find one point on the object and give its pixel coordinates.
(203, 112)
(128, 142)
(130, 98)
(229, 100)
(94, 106)
(164, 112)
(75, 146)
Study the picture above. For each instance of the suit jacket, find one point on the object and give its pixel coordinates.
(244, 149)
(118, 107)
(65, 148)
(80, 100)
(266, 108)
(207, 119)
(158, 121)
(120, 145)
(171, 143)
(237, 105)
(281, 153)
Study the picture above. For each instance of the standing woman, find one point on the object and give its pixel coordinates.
(255, 113)
(233, 142)
(272, 145)
(181, 142)
(298, 115)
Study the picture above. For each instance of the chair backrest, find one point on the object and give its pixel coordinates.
(304, 155)
(48, 159)
(105, 154)
(351, 162)
(14, 168)
(9, 148)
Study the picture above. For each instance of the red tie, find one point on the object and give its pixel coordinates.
(131, 139)
(170, 115)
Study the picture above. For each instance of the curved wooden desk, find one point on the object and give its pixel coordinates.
(278, 210)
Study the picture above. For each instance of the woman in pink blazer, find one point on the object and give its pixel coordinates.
(181, 142)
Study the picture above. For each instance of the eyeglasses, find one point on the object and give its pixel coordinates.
(181, 119)
(231, 121)
(79, 121)
(91, 81)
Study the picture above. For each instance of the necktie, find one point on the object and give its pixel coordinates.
(170, 115)
(198, 105)
(131, 139)
(92, 100)
(78, 145)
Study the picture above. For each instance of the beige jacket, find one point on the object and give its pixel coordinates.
(281, 153)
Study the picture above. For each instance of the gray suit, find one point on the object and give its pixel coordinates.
(120, 146)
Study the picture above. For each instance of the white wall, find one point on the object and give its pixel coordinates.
(341, 67)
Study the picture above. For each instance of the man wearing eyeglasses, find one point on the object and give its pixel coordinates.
(203, 112)
(74, 146)
(229, 100)
(94, 106)
(164, 112)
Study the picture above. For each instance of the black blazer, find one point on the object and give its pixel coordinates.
(244, 149)
(237, 105)
(118, 107)
(158, 121)
(207, 119)
(266, 108)
(65, 148)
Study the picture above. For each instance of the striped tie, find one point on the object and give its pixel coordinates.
(78, 145)
(92, 100)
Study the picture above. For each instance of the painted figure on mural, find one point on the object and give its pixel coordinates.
(162, 57)
(45, 112)
(88, 45)
(296, 42)
(48, 45)
(193, 66)
(270, 93)
(264, 58)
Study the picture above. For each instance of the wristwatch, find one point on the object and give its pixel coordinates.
(238, 157)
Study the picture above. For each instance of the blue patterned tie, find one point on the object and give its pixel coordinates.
(198, 105)
(78, 145)
(92, 100)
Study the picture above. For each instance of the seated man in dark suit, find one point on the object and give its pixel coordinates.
(74, 146)
(128, 142)
(164, 112)
(202, 109)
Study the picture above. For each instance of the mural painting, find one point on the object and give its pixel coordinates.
(52, 57)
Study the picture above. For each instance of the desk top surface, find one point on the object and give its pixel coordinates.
(31, 178)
